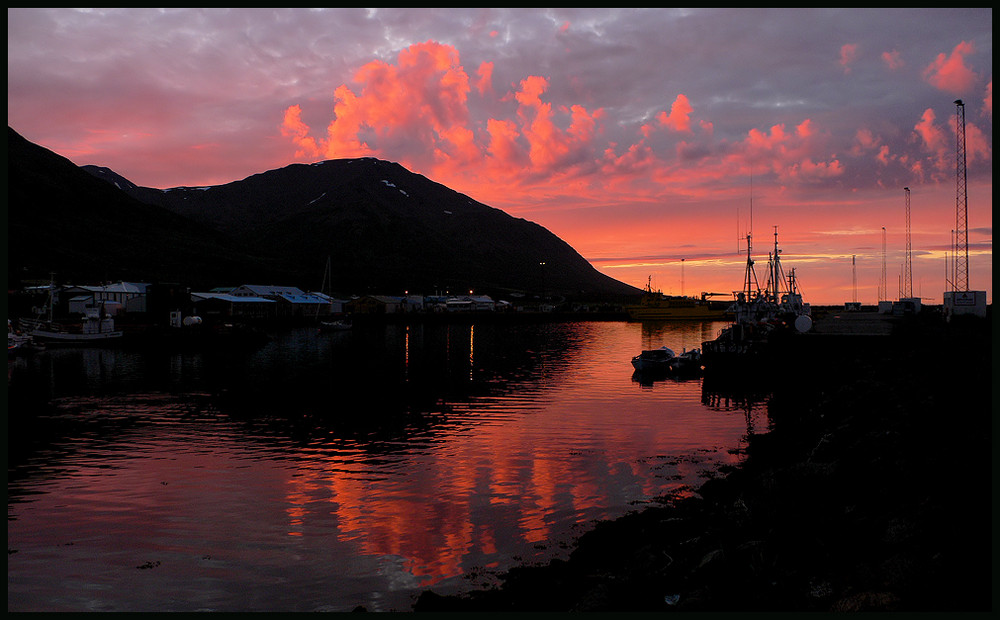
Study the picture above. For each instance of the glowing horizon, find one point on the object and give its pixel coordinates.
(630, 138)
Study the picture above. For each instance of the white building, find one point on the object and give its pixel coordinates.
(965, 302)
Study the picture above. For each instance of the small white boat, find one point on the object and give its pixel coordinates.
(654, 360)
(335, 326)
(93, 330)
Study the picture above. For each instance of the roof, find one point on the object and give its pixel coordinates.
(231, 298)
(289, 294)
(264, 290)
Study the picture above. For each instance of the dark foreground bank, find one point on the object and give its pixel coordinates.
(872, 492)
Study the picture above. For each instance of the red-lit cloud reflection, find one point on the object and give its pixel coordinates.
(521, 470)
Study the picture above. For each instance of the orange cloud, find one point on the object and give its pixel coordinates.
(934, 139)
(805, 129)
(679, 118)
(949, 73)
(503, 150)
(424, 94)
(485, 82)
(550, 147)
(416, 111)
(343, 131)
(294, 128)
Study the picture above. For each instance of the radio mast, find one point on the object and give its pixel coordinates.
(961, 262)
(883, 285)
(908, 266)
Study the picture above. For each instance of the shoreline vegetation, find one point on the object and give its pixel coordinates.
(871, 491)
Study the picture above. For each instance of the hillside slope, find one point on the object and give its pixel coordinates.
(385, 228)
(63, 220)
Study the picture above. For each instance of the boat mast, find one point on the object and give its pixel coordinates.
(52, 288)
(776, 276)
(750, 275)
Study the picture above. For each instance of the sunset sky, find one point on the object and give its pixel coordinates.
(638, 136)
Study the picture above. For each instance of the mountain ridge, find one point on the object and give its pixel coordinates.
(384, 228)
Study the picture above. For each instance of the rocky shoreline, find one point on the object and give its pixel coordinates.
(872, 491)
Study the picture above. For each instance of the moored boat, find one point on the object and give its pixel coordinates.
(655, 306)
(94, 328)
(654, 360)
(759, 316)
(335, 326)
(688, 362)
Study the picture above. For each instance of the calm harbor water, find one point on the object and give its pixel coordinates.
(328, 471)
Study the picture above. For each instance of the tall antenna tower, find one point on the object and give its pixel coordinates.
(682, 277)
(854, 279)
(883, 285)
(961, 280)
(908, 265)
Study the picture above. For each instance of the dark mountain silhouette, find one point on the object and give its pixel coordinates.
(63, 220)
(384, 228)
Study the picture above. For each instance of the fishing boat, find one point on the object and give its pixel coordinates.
(759, 316)
(94, 328)
(655, 306)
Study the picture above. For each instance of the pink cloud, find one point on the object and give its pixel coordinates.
(485, 82)
(343, 131)
(504, 152)
(949, 72)
(679, 118)
(883, 155)
(933, 138)
(809, 170)
(892, 60)
(848, 54)
(805, 129)
(988, 100)
(977, 146)
(866, 139)
(294, 128)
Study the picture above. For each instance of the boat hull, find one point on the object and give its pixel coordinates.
(665, 308)
(676, 314)
(96, 333)
(69, 339)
